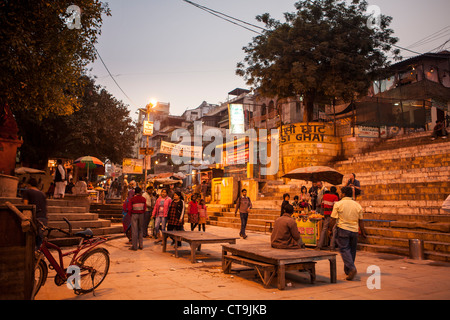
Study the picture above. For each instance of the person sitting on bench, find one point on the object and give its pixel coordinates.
(285, 234)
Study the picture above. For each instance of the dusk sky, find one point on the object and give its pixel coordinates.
(174, 52)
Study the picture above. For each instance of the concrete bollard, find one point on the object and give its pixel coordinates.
(416, 249)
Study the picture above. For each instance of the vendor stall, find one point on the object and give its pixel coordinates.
(309, 225)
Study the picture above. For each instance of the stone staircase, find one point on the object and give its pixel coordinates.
(111, 211)
(264, 209)
(80, 217)
(404, 180)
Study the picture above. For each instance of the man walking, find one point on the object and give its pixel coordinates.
(243, 204)
(347, 213)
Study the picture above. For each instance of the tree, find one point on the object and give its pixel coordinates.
(42, 60)
(102, 127)
(324, 51)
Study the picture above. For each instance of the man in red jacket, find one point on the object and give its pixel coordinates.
(137, 206)
(328, 201)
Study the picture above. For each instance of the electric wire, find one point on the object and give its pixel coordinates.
(104, 64)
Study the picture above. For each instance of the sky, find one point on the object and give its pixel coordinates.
(173, 52)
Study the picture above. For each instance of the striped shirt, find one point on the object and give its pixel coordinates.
(137, 204)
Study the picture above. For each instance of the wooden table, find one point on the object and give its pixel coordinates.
(269, 261)
(195, 240)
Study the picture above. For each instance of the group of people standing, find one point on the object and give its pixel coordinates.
(342, 220)
(160, 212)
(320, 199)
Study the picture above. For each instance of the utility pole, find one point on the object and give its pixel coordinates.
(148, 131)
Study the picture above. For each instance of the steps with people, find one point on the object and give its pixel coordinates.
(404, 180)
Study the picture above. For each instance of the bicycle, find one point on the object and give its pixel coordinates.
(92, 261)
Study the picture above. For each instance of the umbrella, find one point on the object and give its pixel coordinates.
(316, 173)
(88, 162)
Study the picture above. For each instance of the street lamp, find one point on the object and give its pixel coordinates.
(148, 107)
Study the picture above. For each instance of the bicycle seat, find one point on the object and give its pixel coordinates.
(86, 234)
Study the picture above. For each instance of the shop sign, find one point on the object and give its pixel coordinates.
(132, 166)
(181, 150)
(308, 231)
(302, 132)
(371, 132)
(237, 119)
(148, 128)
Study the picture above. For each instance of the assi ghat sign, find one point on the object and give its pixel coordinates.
(307, 144)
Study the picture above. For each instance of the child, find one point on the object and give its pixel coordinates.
(203, 215)
(193, 212)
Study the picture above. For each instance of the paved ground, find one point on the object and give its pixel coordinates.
(150, 274)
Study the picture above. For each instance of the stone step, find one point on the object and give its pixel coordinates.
(429, 255)
(409, 234)
(404, 243)
(412, 152)
(256, 220)
(63, 209)
(72, 216)
(442, 227)
(405, 210)
(407, 146)
(80, 224)
(401, 203)
(237, 225)
(408, 217)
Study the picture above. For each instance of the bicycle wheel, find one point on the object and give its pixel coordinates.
(40, 276)
(94, 266)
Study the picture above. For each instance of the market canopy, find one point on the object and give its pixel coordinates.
(26, 170)
(167, 181)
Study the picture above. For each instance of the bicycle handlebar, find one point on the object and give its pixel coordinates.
(58, 229)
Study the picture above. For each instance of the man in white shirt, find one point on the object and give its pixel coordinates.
(150, 200)
(80, 187)
(347, 213)
(60, 180)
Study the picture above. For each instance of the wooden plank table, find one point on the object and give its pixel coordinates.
(264, 256)
(195, 240)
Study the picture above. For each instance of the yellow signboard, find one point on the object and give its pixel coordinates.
(132, 166)
(307, 144)
(315, 132)
(308, 231)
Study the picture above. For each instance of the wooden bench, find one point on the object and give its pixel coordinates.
(265, 271)
(270, 223)
(268, 271)
(195, 240)
(268, 261)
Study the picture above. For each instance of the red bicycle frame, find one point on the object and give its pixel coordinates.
(59, 267)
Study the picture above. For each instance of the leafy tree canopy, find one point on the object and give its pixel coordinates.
(42, 59)
(323, 51)
(102, 127)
